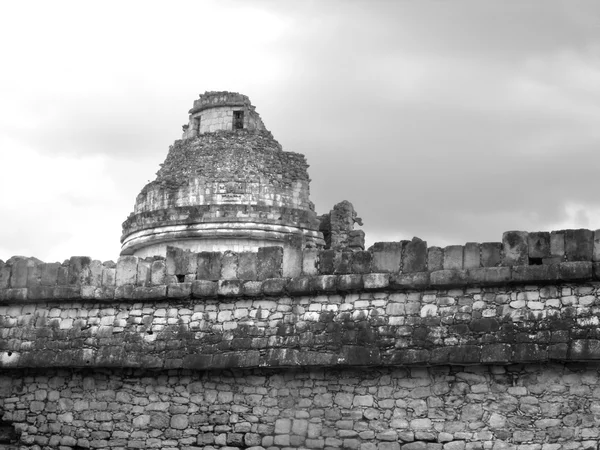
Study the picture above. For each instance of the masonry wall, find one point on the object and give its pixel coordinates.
(289, 348)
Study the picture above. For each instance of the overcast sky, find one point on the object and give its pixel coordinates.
(448, 120)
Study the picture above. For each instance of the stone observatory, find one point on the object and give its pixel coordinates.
(226, 185)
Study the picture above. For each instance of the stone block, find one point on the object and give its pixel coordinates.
(491, 254)
(538, 244)
(109, 276)
(269, 263)
(496, 353)
(150, 292)
(576, 270)
(416, 280)
(209, 266)
(435, 259)
(449, 278)
(274, 286)
(299, 285)
(343, 262)
(34, 273)
(181, 262)
(144, 272)
(596, 252)
(373, 281)
(387, 257)
(5, 275)
(515, 248)
(126, 270)
(310, 261)
(525, 352)
(557, 243)
(558, 352)
(204, 288)
(179, 290)
(350, 282)
(327, 261)
(18, 294)
(471, 256)
(579, 245)
(584, 350)
(414, 256)
(158, 272)
(124, 292)
(361, 262)
(18, 278)
(230, 288)
(96, 273)
(524, 274)
(323, 283)
(247, 266)
(229, 266)
(40, 292)
(252, 288)
(292, 257)
(453, 257)
(489, 275)
(79, 269)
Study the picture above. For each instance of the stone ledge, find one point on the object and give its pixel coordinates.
(345, 283)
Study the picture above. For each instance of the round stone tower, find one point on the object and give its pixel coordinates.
(227, 185)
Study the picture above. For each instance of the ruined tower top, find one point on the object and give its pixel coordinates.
(221, 111)
(226, 185)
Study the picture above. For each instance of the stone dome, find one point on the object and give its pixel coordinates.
(227, 185)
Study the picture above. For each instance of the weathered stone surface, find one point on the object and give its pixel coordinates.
(414, 256)
(538, 244)
(247, 262)
(126, 270)
(453, 257)
(491, 254)
(435, 259)
(208, 266)
(387, 257)
(270, 260)
(579, 245)
(515, 248)
(310, 261)
(471, 256)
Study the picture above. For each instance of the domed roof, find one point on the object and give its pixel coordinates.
(227, 185)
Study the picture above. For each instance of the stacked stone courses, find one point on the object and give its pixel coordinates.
(400, 347)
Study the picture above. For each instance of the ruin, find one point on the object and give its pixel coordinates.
(238, 318)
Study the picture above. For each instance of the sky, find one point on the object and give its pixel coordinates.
(450, 120)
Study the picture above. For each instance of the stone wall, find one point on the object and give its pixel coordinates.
(401, 347)
(529, 407)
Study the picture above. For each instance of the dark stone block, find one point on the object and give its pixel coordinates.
(359, 356)
(179, 290)
(516, 252)
(197, 362)
(538, 244)
(361, 262)
(489, 275)
(327, 261)
(579, 245)
(18, 278)
(577, 270)
(471, 256)
(453, 257)
(440, 355)
(529, 353)
(247, 266)
(204, 288)
(299, 286)
(79, 269)
(270, 261)
(410, 356)
(352, 282)
(17, 294)
(387, 257)
(484, 325)
(63, 276)
(317, 358)
(435, 259)
(415, 280)
(496, 353)
(534, 273)
(464, 354)
(414, 256)
(491, 254)
(343, 262)
(449, 278)
(209, 266)
(558, 352)
(40, 293)
(275, 286)
(181, 262)
(69, 292)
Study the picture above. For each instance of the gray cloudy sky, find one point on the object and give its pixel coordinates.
(449, 120)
